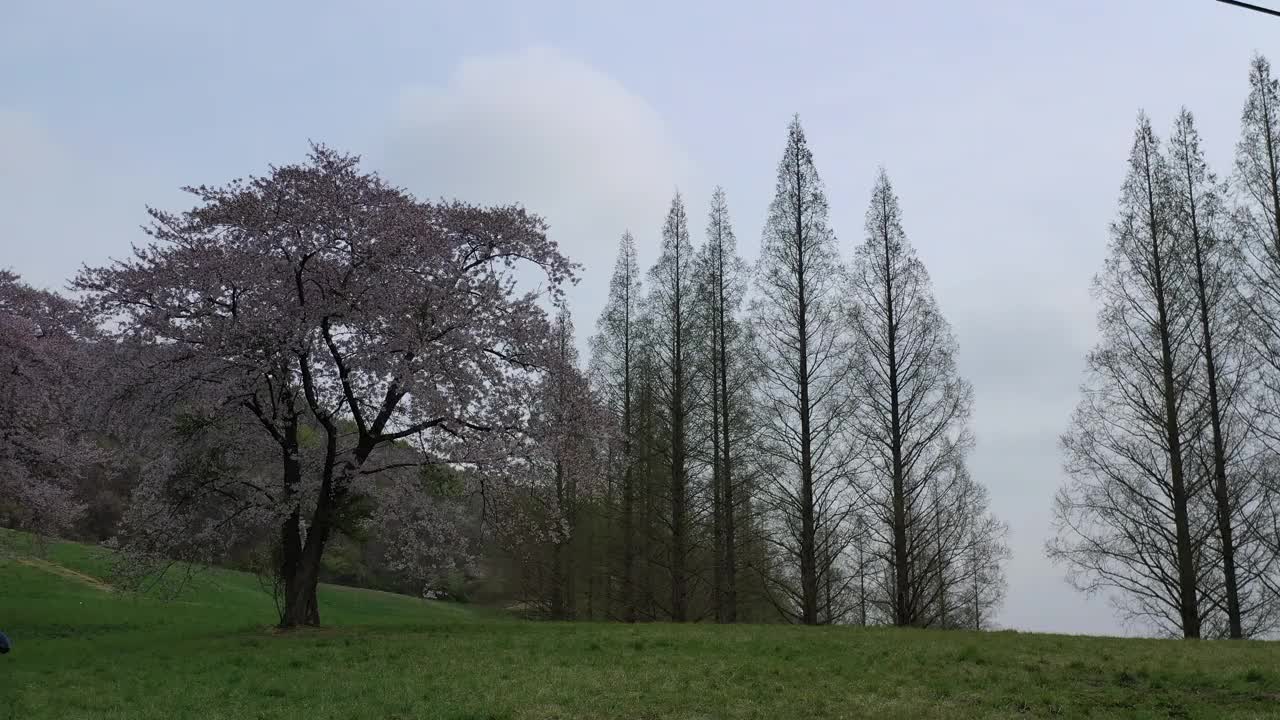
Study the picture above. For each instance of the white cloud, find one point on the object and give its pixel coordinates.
(550, 132)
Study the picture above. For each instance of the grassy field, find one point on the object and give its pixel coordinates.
(85, 650)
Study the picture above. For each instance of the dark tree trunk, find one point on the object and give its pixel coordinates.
(301, 607)
(903, 610)
(679, 579)
(1188, 605)
(1222, 497)
(300, 604)
(717, 509)
(726, 481)
(808, 524)
(629, 600)
(628, 543)
(679, 476)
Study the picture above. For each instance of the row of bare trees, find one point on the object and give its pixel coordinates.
(789, 440)
(1172, 501)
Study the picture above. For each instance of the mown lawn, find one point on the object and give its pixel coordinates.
(83, 650)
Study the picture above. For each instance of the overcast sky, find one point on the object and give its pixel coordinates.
(1004, 126)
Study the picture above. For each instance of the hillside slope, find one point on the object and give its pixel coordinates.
(84, 650)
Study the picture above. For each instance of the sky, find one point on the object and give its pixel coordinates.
(1003, 124)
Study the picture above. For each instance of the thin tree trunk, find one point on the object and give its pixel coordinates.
(679, 504)
(808, 558)
(1188, 604)
(1221, 495)
(977, 594)
(717, 508)
(902, 606)
(727, 482)
(628, 544)
(628, 475)
(291, 528)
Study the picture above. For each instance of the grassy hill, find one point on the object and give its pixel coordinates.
(84, 650)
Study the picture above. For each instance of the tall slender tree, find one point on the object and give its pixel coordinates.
(804, 358)
(615, 368)
(650, 473)
(674, 326)
(1127, 521)
(722, 280)
(1196, 215)
(913, 417)
(1256, 183)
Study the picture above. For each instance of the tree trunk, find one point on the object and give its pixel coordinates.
(1222, 497)
(726, 481)
(902, 605)
(862, 584)
(717, 508)
(808, 525)
(679, 581)
(299, 606)
(679, 478)
(628, 473)
(628, 543)
(1187, 601)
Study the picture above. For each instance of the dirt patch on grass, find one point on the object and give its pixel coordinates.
(65, 572)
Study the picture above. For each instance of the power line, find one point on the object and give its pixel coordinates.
(1250, 6)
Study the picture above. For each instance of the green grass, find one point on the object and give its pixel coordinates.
(82, 651)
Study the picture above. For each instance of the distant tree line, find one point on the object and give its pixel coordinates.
(1173, 504)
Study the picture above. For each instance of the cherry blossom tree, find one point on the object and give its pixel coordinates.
(323, 305)
(44, 444)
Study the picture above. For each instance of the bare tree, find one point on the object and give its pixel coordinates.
(722, 284)
(674, 326)
(1256, 183)
(650, 470)
(805, 360)
(1127, 519)
(1197, 217)
(615, 363)
(912, 422)
(980, 583)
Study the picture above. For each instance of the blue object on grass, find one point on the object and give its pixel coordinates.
(4, 643)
